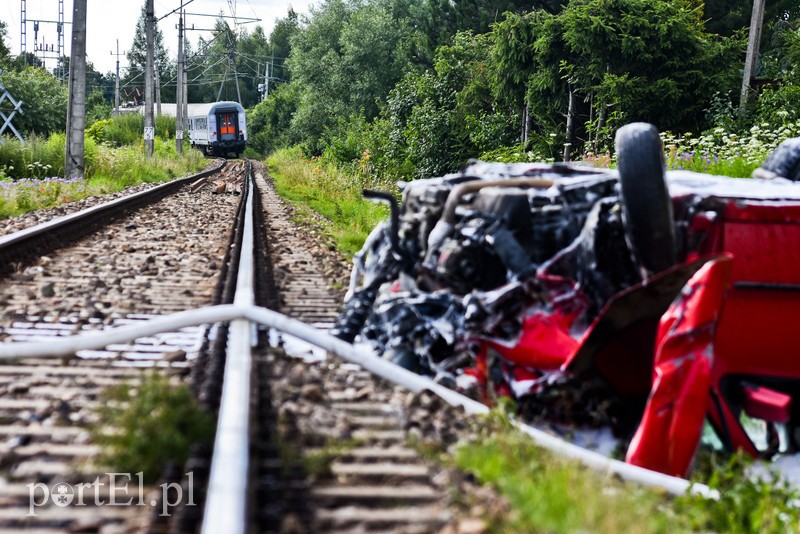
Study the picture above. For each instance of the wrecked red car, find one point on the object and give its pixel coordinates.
(658, 303)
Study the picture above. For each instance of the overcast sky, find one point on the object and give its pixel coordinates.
(109, 20)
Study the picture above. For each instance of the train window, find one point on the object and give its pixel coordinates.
(227, 123)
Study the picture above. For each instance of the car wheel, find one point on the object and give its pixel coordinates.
(783, 162)
(646, 205)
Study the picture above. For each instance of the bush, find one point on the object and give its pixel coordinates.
(125, 129)
(346, 142)
(44, 101)
(269, 121)
(251, 153)
(156, 424)
(128, 129)
(38, 158)
(165, 127)
(778, 106)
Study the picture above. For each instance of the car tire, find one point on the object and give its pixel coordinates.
(783, 162)
(646, 205)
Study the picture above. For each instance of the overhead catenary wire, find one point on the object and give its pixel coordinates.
(247, 67)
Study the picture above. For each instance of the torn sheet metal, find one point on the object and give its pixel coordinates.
(522, 281)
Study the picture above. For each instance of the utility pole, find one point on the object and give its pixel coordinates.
(179, 88)
(76, 111)
(149, 127)
(23, 30)
(185, 125)
(116, 88)
(156, 68)
(236, 78)
(756, 22)
(44, 50)
(266, 82)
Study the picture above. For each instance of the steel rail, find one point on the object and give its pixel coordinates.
(69, 227)
(226, 503)
(366, 359)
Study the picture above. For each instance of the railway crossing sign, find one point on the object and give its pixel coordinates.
(6, 119)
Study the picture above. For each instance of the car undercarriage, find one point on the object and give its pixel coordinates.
(649, 301)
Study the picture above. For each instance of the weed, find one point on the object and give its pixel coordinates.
(317, 464)
(33, 170)
(748, 502)
(551, 494)
(331, 192)
(154, 423)
(719, 151)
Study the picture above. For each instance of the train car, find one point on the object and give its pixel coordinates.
(218, 128)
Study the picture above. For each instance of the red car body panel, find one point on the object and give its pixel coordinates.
(544, 344)
(670, 430)
(734, 324)
(754, 338)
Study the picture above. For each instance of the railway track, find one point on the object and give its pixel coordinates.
(191, 286)
(166, 258)
(150, 260)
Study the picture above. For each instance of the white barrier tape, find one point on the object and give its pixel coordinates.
(370, 362)
(68, 346)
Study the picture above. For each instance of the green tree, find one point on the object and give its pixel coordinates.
(229, 66)
(5, 52)
(436, 120)
(97, 107)
(650, 59)
(345, 62)
(726, 17)
(269, 121)
(223, 50)
(315, 66)
(252, 51)
(280, 45)
(374, 56)
(442, 19)
(44, 101)
(28, 59)
(622, 60)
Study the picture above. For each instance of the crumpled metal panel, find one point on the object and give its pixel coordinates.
(669, 433)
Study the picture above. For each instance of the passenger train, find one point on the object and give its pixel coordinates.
(218, 128)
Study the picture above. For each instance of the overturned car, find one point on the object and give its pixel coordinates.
(650, 301)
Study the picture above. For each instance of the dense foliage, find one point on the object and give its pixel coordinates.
(422, 86)
(44, 101)
(506, 81)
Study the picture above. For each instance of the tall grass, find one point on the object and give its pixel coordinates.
(31, 173)
(556, 495)
(128, 129)
(331, 192)
(551, 494)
